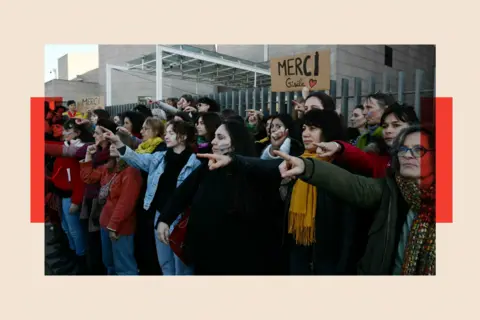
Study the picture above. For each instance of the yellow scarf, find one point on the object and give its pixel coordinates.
(263, 140)
(149, 145)
(303, 207)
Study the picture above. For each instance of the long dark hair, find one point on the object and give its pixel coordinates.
(286, 119)
(242, 141)
(212, 103)
(246, 196)
(136, 118)
(108, 124)
(403, 113)
(327, 101)
(328, 121)
(84, 133)
(212, 121)
(143, 110)
(189, 98)
(102, 114)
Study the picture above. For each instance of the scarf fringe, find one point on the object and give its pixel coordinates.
(304, 235)
(303, 207)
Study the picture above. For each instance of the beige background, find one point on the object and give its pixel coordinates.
(27, 26)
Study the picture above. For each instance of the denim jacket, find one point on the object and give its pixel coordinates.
(154, 164)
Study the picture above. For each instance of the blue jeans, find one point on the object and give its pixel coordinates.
(73, 228)
(169, 262)
(118, 255)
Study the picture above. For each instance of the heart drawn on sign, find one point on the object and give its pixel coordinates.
(312, 83)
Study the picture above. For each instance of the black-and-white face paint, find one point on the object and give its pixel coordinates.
(278, 130)
(222, 144)
(171, 137)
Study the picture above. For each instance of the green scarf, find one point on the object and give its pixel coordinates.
(365, 138)
(252, 128)
(149, 145)
(420, 255)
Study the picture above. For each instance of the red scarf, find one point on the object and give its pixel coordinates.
(70, 115)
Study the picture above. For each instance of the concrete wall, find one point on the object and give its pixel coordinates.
(365, 61)
(71, 90)
(63, 67)
(73, 64)
(127, 88)
(90, 76)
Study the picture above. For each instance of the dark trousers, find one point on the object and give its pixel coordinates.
(93, 252)
(300, 260)
(145, 249)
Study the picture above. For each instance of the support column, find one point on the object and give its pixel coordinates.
(108, 85)
(159, 73)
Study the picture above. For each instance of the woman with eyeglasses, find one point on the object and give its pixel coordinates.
(153, 132)
(402, 237)
(378, 158)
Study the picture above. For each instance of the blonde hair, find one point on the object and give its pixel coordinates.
(157, 125)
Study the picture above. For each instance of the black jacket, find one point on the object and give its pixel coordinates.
(335, 251)
(232, 223)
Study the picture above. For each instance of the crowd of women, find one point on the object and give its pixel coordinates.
(187, 189)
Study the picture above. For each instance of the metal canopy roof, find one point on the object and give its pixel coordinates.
(199, 65)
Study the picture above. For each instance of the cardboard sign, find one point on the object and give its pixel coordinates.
(90, 103)
(292, 73)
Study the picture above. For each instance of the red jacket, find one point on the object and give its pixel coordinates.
(118, 214)
(365, 163)
(66, 176)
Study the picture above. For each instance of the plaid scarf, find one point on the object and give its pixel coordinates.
(420, 255)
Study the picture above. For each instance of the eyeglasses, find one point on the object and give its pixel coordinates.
(416, 151)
